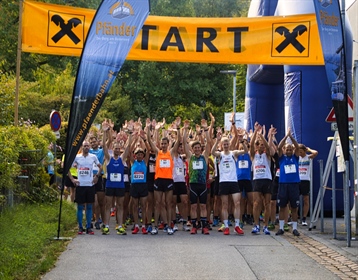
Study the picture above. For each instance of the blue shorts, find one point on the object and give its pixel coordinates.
(288, 193)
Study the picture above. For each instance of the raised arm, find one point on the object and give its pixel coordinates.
(214, 151)
(106, 132)
(153, 147)
(185, 142)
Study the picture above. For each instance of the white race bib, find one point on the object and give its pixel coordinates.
(290, 168)
(243, 164)
(260, 169)
(225, 166)
(164, 163)
(303, 171)
(179, 171)
(197, 165)
(84, 172)
(138, 176)
(115, 177)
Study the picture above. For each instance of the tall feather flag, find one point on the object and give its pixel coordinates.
(114, 28)
(331, 32)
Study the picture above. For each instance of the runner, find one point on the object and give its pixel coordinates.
(115, 187)
(85, 191)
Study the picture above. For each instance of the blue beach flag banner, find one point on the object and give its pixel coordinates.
(112, 33)
(331, 32)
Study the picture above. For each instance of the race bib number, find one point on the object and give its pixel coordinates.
(115, 177)
(243, 164)
(179, 171)
(151, 168)
(84, 172)
(197, 165)
(225, 166)
(290, 168)
(260, 170)
(303, 171)
(164, 163)
(138, 176)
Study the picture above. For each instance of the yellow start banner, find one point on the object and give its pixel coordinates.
(291, 40)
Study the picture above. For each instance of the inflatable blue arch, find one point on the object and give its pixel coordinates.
(295, 96)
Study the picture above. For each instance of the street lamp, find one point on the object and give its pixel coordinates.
(233, 73)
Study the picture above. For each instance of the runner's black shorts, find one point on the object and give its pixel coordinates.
(262, 186)
(99, 186)
(198, 191)
(305, 187)
(180, 188)
(139, 190)
(85, 195)
(226, 188)
(163, 185)
(69, 183)
(118, 192)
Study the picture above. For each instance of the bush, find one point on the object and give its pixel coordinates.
(22, 150)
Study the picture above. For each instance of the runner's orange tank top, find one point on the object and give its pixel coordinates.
(164, 166)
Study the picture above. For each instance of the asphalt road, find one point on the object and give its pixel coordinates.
(185, 256)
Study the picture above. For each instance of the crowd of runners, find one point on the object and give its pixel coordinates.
(191, 177)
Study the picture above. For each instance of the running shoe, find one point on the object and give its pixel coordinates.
(154, 230)
(255, 230)
(186, 228)
(266, 231)
(152, 220)
(271, 226)
(128, 222)
(161, 226)
(215, 222)
(135, 230)
(226, 231)
(175, 228)
(121, 231)
(144, 230)
(194, 230)
(105, 230)
(80, 231)
(280, 232)
(170, 231)
(221, 229)
(205, 230)
(295, 232)
(165, 229)
(149, 229)
(89, 231)
(113, 212)
(304, 223)
(188, 223)
(97, 225)
(286, 227)
(239, 230)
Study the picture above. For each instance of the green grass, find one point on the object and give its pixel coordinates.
(28, 247)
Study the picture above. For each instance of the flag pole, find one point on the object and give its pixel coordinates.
(18, 64)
